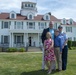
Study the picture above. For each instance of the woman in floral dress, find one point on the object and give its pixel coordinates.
(49, 55)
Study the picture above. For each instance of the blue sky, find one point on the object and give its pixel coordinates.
(59, 8)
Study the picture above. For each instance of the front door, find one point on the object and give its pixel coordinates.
(29, 41)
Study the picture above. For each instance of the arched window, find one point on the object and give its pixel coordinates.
(30, 16)
(47, 17)
(12, 16)
(64, 21)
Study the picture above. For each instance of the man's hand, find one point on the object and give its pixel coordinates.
(62, 46)
(60, 52)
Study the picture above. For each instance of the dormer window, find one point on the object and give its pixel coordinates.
(12, 15)
(46, 17)
(71, 21)
(30, 16)
(63, 21)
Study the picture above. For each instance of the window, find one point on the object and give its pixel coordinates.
(39, 24)
(31, 5)
(55, 26)
(68, 29)
(12, 16)
(45, 25)
(9, 22)
(28, 5)
(6, 24)
(74, 38)
(71, 21)
(42, 25)
(70, 38)
(30, 16)
(31, 25)
(25, 5)
(18, 39)
(47, 17)
(18, 25)
(64, 21)
(4, 39)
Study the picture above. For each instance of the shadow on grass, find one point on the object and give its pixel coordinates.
(37, 72)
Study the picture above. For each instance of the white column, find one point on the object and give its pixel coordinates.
(12, 39)
(27, 39)
(38, 39)
(24, 40)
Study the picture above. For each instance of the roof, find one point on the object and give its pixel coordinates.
(29, 2)
(20, 17)
(5, 16)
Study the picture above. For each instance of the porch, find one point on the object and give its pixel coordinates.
(25, 39)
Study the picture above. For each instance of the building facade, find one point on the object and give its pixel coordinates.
(25, 28)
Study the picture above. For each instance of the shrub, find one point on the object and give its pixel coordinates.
(73, 48)
(74, 43)
(12, 50)
(69, 44)
(22, 50)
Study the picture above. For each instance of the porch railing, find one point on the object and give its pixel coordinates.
(18, 44)
(4, 44)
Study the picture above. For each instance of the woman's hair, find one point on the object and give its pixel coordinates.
(48, 33)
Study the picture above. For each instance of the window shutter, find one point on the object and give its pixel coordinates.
(2, 25)
(15, 39)
(2, 39)
(71, 29)
(22, 25)
(27, 25)
(8, 39)
(15, 24)
(34, 25)
(9, 24)
(66, 29)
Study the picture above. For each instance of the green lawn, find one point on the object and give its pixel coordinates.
(30, 64)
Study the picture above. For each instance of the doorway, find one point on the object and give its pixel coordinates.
(29, 41)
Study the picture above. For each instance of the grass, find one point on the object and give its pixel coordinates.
(27, 63)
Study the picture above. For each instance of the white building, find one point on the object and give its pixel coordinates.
(20, 29)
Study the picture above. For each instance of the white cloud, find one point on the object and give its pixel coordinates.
(65, 13)
(59, 8)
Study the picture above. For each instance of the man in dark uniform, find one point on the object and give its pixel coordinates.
(65, 48)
